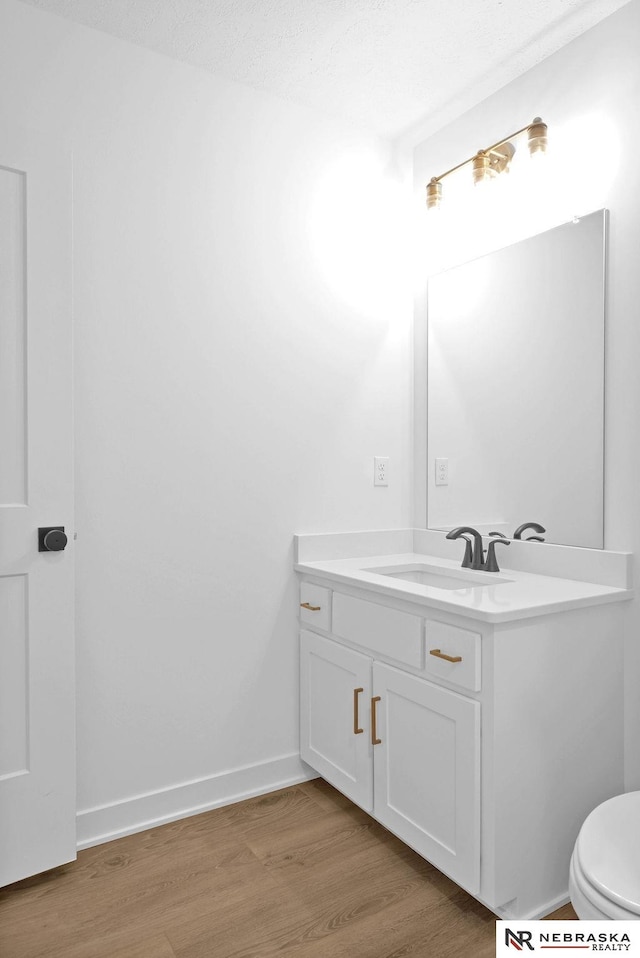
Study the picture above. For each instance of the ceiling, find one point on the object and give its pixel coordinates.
(396, 67)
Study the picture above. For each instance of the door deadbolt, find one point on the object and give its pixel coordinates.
(51, 539)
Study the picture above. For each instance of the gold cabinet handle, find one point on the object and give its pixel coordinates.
(311, 608)
(448, 658)
(374, 732)
(356, 721)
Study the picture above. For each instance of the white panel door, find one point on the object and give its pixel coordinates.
(427, 771)
(37, 707)
(335, 696)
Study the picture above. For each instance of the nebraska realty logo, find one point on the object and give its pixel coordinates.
(560, 936)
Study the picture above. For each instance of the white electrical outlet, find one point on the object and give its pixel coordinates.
(442, 472)
(381, 470)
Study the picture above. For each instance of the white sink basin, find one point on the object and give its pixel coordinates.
(438, 577)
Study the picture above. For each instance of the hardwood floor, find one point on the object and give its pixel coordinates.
(299, 873)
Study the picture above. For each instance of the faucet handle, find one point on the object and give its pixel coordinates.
(491, 565)
(500, 534)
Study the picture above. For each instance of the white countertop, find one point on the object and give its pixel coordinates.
(514, 594)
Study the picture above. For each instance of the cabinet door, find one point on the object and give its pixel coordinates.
(335, 693)
(427, 771)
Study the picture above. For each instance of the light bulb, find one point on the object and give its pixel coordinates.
(482, 171)
(537, 134)
(434, 194)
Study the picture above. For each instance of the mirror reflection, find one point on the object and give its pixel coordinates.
(516, 389)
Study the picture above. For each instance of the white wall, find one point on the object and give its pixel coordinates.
(241, 356)
(588, 93)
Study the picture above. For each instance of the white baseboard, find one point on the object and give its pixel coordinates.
(107, 822)
(550, 907)
(507, 911)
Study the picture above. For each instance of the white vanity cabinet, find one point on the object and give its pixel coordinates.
(482, 746)
(399, 746)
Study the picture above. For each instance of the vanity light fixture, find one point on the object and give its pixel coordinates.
(494, 159)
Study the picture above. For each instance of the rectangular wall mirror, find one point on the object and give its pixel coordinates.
(516, 388)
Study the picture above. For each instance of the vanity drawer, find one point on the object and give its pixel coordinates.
(315, 606)
(454, 642)
(397, 635)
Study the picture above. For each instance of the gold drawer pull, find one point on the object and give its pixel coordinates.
(441, 655)
(374, 732)
(311, 608)
(356, 720)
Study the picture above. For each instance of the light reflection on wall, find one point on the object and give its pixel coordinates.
(358, 233)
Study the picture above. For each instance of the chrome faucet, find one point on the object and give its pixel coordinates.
(474, 557)
(477, 554)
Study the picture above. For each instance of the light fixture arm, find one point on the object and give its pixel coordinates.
(511, 136)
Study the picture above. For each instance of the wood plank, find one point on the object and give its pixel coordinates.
(324, 794)
(455, 926)
(157, 947)
(259, 921)
(111, 946)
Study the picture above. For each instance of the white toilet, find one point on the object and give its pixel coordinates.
(604, 882)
